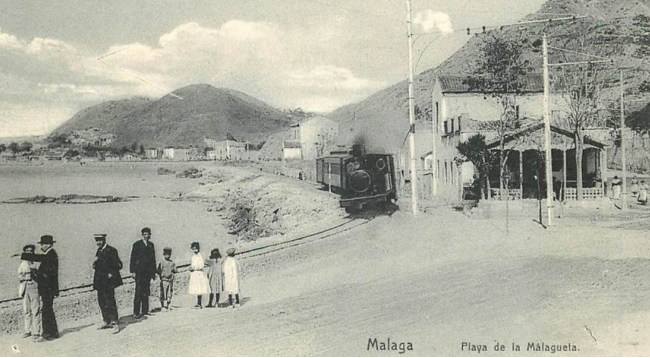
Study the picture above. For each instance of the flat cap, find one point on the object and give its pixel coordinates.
(100, 236)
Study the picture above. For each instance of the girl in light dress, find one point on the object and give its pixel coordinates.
(199, 284)
(231, 271)
(214, 276)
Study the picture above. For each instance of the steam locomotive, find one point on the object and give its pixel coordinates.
(361, 179)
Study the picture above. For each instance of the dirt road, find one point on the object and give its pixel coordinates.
(435, 281)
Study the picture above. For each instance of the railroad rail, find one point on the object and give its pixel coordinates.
(244, 254)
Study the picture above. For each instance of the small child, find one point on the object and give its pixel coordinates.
(28, 290)
(214, 276)
(199, 284)
(231, 271)
(166, 271)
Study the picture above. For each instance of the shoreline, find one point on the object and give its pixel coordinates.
(217, 194)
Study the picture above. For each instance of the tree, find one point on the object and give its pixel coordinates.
(141, 150)
(474, 150)
(3, 147)
(501, 74)
(71, 153)
(14, 147)
(581, 91)
(134, 147)
(25, 146)
(640, 120)
(230, 137)
(58, 140)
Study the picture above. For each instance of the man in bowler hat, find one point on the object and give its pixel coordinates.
(107, 266)
(47, 277)
(143, 268)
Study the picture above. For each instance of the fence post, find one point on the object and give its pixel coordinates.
(329, 176)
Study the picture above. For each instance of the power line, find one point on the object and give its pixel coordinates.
(140, 79)
(485, 28)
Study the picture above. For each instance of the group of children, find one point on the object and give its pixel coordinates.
(207, 277)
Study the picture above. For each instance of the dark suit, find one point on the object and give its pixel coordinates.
(47, 277)
(143, 266)
(107, 276)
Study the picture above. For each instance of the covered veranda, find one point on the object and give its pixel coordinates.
(525, 166)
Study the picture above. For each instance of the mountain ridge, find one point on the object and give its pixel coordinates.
(185, 116)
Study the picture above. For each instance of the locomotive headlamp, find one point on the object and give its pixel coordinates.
(360, 181)
(380, 164)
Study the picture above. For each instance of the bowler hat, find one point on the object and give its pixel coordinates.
(47, 239)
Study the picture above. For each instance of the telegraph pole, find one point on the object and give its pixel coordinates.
(547, 137)
(414, 174)
(623, 159)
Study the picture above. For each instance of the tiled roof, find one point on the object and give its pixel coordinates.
(456, 84)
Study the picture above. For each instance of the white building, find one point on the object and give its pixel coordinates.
(307, 140)
(459, 113)
(226, 150)
(176, 154)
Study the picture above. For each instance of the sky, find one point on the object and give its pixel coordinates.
(57, 57)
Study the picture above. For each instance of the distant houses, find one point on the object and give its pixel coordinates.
(225, 150)
(176, 154)
(91, 136)
(152, 153)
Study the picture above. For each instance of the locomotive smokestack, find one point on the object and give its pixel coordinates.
(359, 146)
(357, 150)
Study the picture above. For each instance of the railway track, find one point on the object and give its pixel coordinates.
(244, 255)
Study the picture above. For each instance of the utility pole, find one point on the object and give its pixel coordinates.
(414, 174)
(548, 167)
(623, 159)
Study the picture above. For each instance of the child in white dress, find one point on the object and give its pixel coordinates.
(199, 284)
(231, 271)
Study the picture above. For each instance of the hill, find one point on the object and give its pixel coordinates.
(103, 115)
(619, 30)
(184, 117)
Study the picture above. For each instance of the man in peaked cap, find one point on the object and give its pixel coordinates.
(47, 277)
(107, 266)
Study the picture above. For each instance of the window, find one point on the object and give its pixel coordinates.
(437, 116)
(438, 169)
(452, 126)
(459, 124)
(446, 173)
(517, 112)
(451, 168)
(445, 124)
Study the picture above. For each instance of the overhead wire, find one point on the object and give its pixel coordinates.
(140, 79)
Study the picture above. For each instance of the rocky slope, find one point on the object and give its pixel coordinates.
(619, 30)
